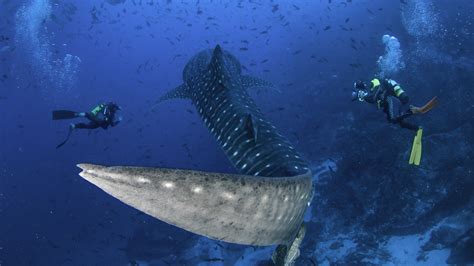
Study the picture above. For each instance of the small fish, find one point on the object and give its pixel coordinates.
(327, 28)
(275, 8)
(213, 259)
(323, 60)
(4, 38)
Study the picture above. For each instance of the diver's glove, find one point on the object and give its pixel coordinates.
(118, 120)
(358, 95)
(415, 110)
(361, 95)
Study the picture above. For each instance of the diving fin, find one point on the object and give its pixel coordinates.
(429, 105)
(63, 114)
(415, 156)
(67, 138)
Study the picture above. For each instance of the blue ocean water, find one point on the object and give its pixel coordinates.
(369, 204)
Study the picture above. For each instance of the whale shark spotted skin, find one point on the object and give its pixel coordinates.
(264, 205)
(219, 93)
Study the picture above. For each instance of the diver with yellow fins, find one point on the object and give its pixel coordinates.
(389, 96)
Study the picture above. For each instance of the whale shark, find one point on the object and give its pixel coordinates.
(263, 204)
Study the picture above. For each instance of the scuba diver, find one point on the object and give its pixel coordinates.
(103, 115)
(389, 96)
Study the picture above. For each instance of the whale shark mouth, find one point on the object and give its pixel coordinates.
(264, 205)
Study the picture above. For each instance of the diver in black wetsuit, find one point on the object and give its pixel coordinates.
(392, 99)
(389, 96)
(103, 115)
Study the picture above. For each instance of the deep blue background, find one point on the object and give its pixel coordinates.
(49, 215)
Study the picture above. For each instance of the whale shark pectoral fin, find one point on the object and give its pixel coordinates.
(252, 127)
(182, 91)
(253, 82)
(233, 208)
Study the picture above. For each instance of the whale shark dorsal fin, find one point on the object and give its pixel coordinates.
(253, 82)
(252, 127)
